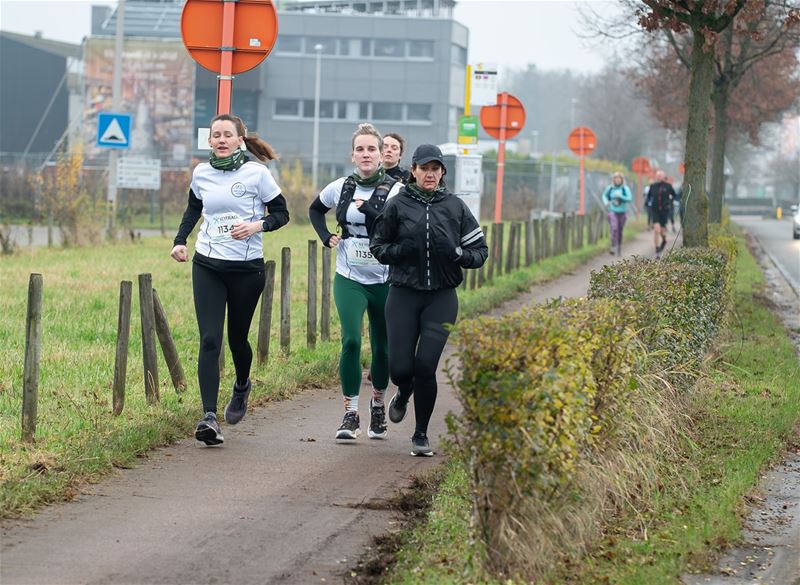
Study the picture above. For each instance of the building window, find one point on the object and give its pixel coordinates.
(363, 110)
(459, 55)
(387, 111)
(366, 47)
(341, 110)
(420, 49)
(389, 48)
(419, 113)
(290, 44)
(325, 109)
(285, 107)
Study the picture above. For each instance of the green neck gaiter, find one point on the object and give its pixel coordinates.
(422, 193)
(229, 163)
(370, 182)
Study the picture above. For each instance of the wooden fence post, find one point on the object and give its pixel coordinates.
(33, 352)
(265, 316)
(286, 298)
(168, 349)
(311, 312)
(481, 272)
(123, 339)
(537, 240)
(512, 237)
(149, 356)
(325, 312)
(499, 248)
(529, 242)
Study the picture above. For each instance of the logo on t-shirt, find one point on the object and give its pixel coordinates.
(238, 189)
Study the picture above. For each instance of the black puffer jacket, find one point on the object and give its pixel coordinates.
(426, 244)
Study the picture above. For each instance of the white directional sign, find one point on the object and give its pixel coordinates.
(139, 173)
(483, 85)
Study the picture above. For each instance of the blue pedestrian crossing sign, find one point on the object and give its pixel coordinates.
(113, 130)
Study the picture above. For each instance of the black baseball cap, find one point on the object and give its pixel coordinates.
(426, 153)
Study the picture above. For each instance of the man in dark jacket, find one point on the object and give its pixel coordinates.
(427, 236)
(661, 194)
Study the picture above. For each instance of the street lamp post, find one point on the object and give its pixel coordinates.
(315, 148)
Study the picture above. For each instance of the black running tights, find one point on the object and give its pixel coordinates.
(213, 290)
(416, 320)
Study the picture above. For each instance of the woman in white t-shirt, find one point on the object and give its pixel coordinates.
(238, 199)
(360, 283)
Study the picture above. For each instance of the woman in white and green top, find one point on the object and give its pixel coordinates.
(360, 281)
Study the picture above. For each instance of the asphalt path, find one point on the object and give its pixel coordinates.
(280, 502)
(775, 237)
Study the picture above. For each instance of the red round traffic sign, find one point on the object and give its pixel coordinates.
(255, 28)
(582, 141)
(641, 165)
(491, 116)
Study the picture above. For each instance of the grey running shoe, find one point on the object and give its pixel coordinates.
(208, 431)
(398, 406)
(237, 407)
(350, 426)
(377, 421)
(420, 447)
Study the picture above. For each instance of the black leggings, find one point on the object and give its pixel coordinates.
(213, 289)
(415, 320)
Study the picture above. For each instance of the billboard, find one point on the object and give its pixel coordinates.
(157, 91)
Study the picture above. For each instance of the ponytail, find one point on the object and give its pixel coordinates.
(252, 143)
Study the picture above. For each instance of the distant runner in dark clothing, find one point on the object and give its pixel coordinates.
(661, 194)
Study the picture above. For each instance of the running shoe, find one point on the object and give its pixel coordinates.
(662, 245)
(237, 407)
(420, 447)
(350, 428)
(398, 406)
(207, 430)
(377, 421)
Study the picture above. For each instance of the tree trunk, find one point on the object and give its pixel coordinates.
(695, 228)
(716, 196)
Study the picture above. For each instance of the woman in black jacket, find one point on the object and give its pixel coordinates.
(426, 235)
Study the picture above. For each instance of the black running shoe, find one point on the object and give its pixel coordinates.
(398, 406)
(662, 246)
(377, 421)
(420, 447)
(208, 431)
(350, 428)
(237, 407)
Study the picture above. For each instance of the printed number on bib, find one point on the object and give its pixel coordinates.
(221, 225)
(358, 253)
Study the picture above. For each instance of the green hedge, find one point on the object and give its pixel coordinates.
(567, 407)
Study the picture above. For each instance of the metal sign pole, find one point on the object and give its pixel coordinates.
(116, 100)
(225, 77)
(501, 158)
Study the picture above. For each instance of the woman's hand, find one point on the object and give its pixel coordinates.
(179, 253)
(246, 229)
(334, 241)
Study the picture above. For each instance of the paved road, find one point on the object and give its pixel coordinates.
(281, 502)
(775, 236)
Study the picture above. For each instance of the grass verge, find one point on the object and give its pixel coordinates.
(744, 411)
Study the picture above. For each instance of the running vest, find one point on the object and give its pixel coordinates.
(377, 200)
